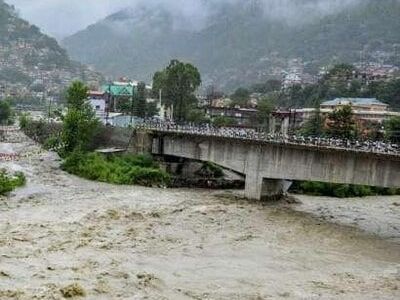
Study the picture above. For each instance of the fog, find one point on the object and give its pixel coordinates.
(61, 18)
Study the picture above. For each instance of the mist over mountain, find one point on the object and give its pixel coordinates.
(238, 42)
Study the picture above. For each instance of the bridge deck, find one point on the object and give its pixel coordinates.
(393, 154)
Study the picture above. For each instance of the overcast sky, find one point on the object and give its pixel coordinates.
(64, 17)
(61, 18)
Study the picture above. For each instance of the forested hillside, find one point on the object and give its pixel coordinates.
(240, 42)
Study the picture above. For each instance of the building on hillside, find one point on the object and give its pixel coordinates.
(373, 72)
(117, 93)
(291, 80)
(242, 116)
(366, 112)
(98, 102)
(221, 102)
(108, 103)
(358, 104)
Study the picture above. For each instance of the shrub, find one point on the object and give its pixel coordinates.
(126, 169)
(53, 143)
(339, 190)
(9, 183)
(24, 120)
(209, 169)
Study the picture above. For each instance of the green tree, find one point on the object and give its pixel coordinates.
(159, 83)
(392, 130)
(265, 107)
(197, 116)
(77, 95)
(151, 109)
(341, 123)
(178, 82)
(272, 85)
(296, 95)
(80, 123)
(5, 113)
(240, 97)
(315, 126)
(388, 92)
(140, 100)
(223, 121)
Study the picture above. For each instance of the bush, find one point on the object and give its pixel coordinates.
(53, 143)
(126, 169)
(339, 190)
(9, 183)
(210, 170)
(223, 121)
(24, 120)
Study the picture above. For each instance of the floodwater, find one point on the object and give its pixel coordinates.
(129, 242)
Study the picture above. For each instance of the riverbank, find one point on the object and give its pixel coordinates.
(131, 242)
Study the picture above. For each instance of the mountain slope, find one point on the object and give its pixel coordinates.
(29, 58)
(240, 42)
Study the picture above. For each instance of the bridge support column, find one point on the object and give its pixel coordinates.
(258, 188)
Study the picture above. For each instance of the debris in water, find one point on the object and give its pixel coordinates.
(73, 290)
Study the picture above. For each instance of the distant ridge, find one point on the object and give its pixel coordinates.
(239, 44)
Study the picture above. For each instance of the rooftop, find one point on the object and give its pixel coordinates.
(354, 101)
(118, 90)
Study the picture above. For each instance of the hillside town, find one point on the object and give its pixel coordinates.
(21, 78)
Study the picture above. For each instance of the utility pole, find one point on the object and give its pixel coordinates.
(132, 106)
(161, 112)
(49, 110)
(108, 103)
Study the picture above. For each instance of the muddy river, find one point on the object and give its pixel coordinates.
(127, 242)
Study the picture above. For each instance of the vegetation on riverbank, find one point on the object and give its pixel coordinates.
(125, 169)
(340, 190)
(10, 182)
(6, 113)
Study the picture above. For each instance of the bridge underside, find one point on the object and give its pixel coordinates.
(270, 167)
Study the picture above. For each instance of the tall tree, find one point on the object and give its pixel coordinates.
(80, 123)
(341, 123)
(240, 97)
(140, 100)
(151, 109)
(315, 126)
(77, 95)
(392, 130)
(178, 82)
(5, 112)
(265, 107)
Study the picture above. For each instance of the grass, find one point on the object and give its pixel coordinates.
(124, 170)
(10, 182)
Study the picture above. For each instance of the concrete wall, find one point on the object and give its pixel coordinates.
(260, 161)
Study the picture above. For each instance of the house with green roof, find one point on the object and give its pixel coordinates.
(118, 93)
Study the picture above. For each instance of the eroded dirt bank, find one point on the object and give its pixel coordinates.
(119, 242)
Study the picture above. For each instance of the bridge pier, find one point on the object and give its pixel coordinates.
(258, 188)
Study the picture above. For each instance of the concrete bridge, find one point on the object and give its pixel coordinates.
(270, 167)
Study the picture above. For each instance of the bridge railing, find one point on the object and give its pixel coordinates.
(368, 146)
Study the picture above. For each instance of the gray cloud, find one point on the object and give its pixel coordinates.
(64, 17)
